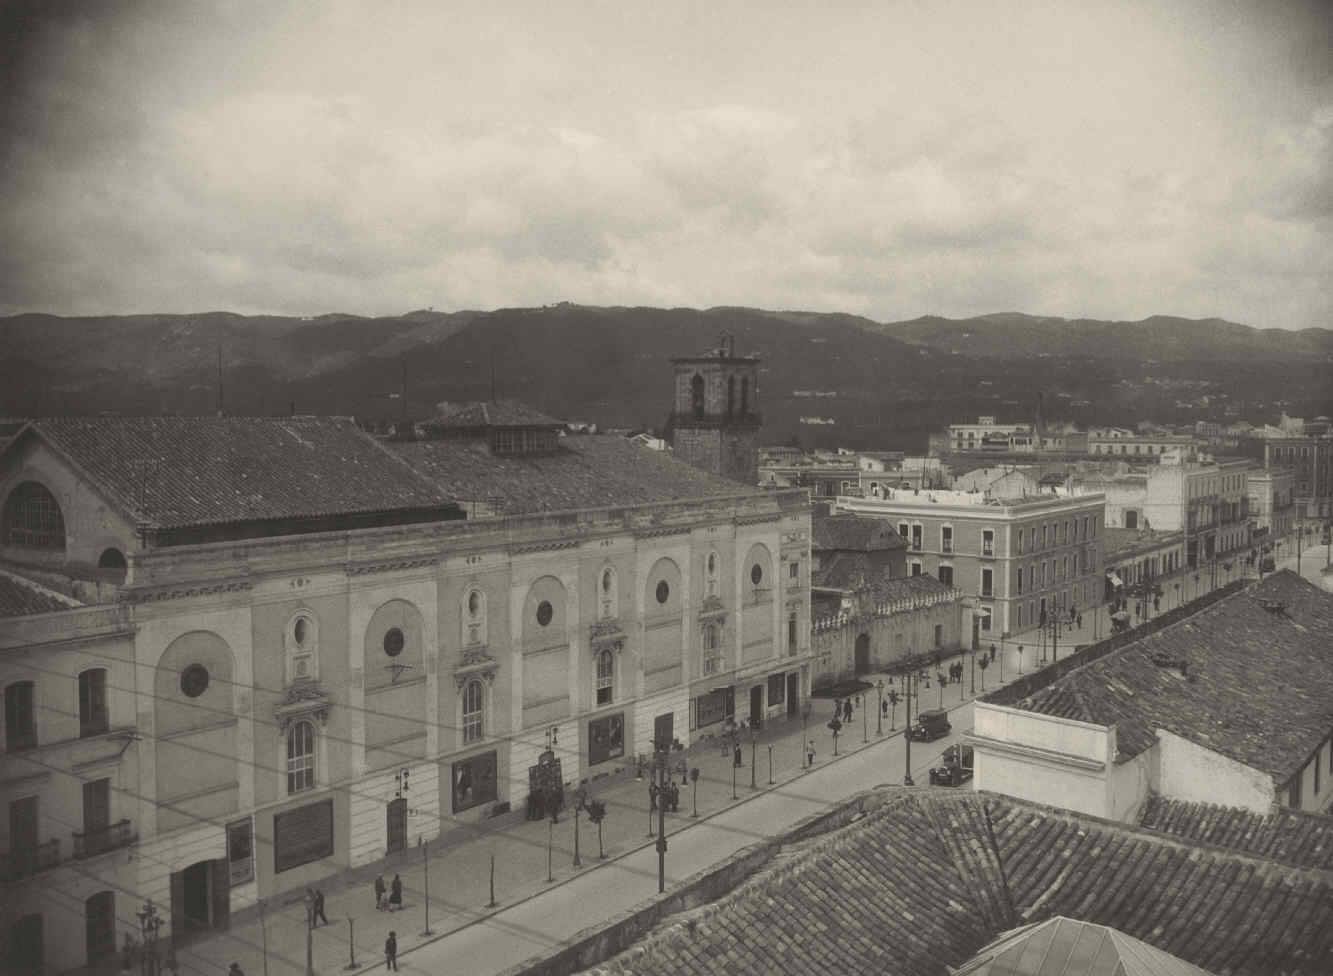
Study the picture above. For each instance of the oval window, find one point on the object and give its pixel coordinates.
(663, 591)
(545, 612)
(474, 603)
(756, 574)
(394, 642)
(300, 630)
(606, 581)
(194, 680)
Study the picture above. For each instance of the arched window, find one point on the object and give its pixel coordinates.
(93, 717)
(112, 562)
(606, 675)
(697, 395)
(473, 711)
(300, 758)
(606, 597)
(32, 518)
(474, 617)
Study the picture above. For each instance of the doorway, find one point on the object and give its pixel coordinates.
(757, 706)
(25, 945)
(397, 825)
(664, 728)
(793, 692)
(196, 896)
(100, 926)
(863, 654)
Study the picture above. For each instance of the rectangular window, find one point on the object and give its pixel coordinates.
(20, 726)
(985, 619)
(916, 569)
(794, 571)
(96, 806)
(946, 575)
(1294, 794)
(986, 584)
(710, 709)
(606, 738)
(1045, 536)
(916, 538)
(792, 628)
(302, 835)
(987, 542)
(93, 718)
(1018, 611)
(903, 531)
(939, 635)
(777, 689)
(1018, 581)
(946, 539)
(241, 851)
(606, 663)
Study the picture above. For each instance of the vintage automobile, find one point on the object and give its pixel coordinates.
(956, 769)
(930, 725)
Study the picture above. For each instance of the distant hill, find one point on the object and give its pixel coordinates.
(890, 383)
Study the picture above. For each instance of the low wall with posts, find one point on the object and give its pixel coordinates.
(596, 945)
(1031, 683)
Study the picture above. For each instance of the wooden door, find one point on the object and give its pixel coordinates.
(756, 706)
(863, 654)
(25, 945)
(664, 728)
(100, 926)
(397, 825)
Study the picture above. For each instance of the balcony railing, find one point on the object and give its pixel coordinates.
(17, 865)
(988, 549)
(99, 840)
(946, 546)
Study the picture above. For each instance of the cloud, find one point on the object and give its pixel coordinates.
(884, 159)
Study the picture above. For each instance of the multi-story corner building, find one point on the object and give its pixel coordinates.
(1014, 558)
(1128, 443)
(715, 420)
(1272, 495)
(1310, 460)
(987, 435)
(239, 655)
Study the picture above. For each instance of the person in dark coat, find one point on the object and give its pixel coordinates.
(675, 797)
(391, 952)
(379, 893)
(847, 710)
(235, 970)
(319, 907)
(396, 894)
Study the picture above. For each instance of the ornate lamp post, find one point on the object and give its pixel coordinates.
(974, 673)
(149, 923)
(662, 750)
(879, 714)
(580, 803)
(694, 780)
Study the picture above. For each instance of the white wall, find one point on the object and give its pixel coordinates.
(1191, 772)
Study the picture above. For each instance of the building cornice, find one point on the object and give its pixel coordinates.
(1047, 757)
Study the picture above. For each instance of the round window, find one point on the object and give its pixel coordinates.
(663, 591)
(474, 603)
(194, 680)
(300, 631)
(394, 641)
(756, 574)
(545, 612)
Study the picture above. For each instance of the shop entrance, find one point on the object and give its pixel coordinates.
(200, 899)
(397, 825)
(793, 693)
(757, 706)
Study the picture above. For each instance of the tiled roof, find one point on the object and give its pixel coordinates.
(1067, 947)
(587, 471)
(18, 598)
(170, 472)
(1289, 836)
(1249, 677)
(927, 879)
(854, 533)
(490, 413)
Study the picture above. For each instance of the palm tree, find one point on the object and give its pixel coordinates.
(983, 664)
(597, 813)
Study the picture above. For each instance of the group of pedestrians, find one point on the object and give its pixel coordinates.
(394, 891)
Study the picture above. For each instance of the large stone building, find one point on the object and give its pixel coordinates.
(239, 655)
(715, 420)
(1272, 494)
(1015, 558)
(1309, 457)
(1224, 702)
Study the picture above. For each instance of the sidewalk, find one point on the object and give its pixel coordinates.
(460, 861)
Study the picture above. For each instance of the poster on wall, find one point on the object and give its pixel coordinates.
(606, 738)
(302, 835)
(241, 851)
(474, 781)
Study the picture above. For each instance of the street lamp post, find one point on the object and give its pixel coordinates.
(662, 749)
(580, 803)
(879, 714)
(939, 679)
(909, 681)
(835, 726)
(149, 924)
(865, 719)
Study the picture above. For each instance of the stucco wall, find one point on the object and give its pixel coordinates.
(1191, 772)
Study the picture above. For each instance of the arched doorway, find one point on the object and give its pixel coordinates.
(200, 899)
(863, 654)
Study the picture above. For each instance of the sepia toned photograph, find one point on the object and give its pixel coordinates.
(666, 489)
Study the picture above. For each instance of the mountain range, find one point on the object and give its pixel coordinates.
(882, 384)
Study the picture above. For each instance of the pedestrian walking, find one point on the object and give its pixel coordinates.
(379, 893)
(396, 894)
(810, 752)
(235, 970)
(1080, 621)
(391, 953)
(319, 907)
(736, 756)
(847, 710)
(884, 709)
(675, 797)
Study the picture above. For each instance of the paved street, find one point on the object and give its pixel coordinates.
(534, 917)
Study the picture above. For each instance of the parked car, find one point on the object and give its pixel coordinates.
(956, 769)
(931, 724)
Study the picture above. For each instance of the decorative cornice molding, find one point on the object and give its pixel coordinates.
(548, 546)
(756, 519)
(365, 569)
(162, 593)
(302, 699)
(607, 635)
(660, 533)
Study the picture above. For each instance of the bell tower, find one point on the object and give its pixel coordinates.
(715, 419)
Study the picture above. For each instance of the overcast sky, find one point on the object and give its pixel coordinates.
(1109, 159)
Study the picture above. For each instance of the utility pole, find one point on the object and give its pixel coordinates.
(907, 731)
(425, 860)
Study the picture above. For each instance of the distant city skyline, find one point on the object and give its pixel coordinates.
(1076, 160)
